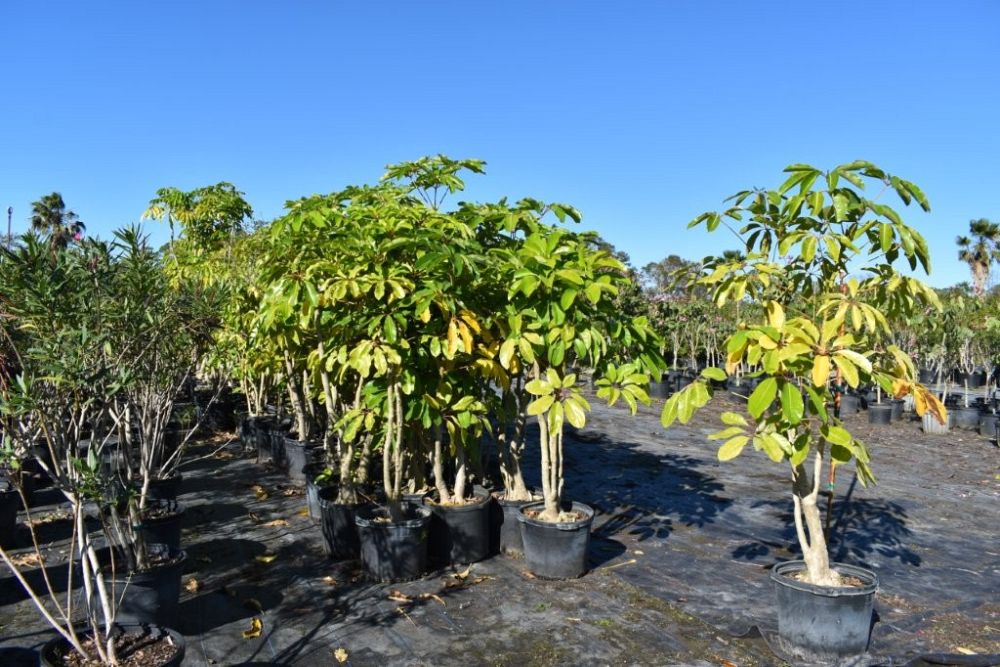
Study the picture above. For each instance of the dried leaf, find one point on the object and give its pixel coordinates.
(528, 575)
(639, 552)
(964, 651)
(329, 580)
(399, 596)
(225, 456)
(266, 560)
(431, 596)
(461, 576)
(27, 560)
(192, 586)
(276, 523)
(291, 492)
(479, 580)
(256, 627)
(253, 605)
(303, 512)
(260, 492)
(340, 655)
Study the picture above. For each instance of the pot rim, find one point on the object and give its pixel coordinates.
(585, 522)
(779, 575)
(479, 497)
(364, 517)
(501, 497)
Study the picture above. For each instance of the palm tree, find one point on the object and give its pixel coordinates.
(49, 216)
(980, 251)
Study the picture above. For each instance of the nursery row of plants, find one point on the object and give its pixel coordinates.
(390, 348)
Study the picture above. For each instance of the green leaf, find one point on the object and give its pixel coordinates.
(732, 447)
(669, 413)
(539, 387)
(771, 446)
(716, 374)
(840, 454)
(848, 369)
(733, 419)
(837, 435)
(540, 405)
(575, 414)
(792, 407)
(885, 236)
(762, 397)
(725, 433)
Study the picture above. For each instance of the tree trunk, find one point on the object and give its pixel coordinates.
(809, 526)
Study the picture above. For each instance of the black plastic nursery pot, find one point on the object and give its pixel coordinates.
(164, 529)
(849, 404)
(823, 622)
(510, 543)
(278, 438)
(152, 596)
(897, 405)
(313, 470)
(659, 390)
(393, 551)
(879, 413)
(262, 435)
(965, 418)
(927, 376)
(340, 532)
(988, 425)
(165, 489)
(10, 500)
(298, 455)
(54, 651)
(556, 550)
(460, 533)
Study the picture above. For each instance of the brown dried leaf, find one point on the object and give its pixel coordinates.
(479, 580)
(329, 580)
(192, 586)
(27, 560)
(260, 492)
(291, 492)
(303, 512)
(266, 560)
(225, 456)
(431, 596)
(461, 576)
(276, 523)
(399, 596)
(256, 627)
(340, 655)
(528, 575)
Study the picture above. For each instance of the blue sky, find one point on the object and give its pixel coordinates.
(642, 114)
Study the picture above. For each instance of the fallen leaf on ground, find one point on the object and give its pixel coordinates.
(291, 492)
(528, 575)
(260, 492)
(25, 560)
(256, 626)
(479, 580)
(340, 655)
(329, 580)
(639, 552)
(192, 586)
(266, 560)
(303, 512)
(431, 596)
(462, 575)
(399, 596)
(964, 651)
(276, 523)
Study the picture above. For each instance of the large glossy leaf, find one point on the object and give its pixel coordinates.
(762, 397)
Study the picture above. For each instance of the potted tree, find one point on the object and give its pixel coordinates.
(818, 329)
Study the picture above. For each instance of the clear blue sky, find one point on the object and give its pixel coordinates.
(642, 114)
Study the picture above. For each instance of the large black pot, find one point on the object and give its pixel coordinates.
(988, 425)
(10, 500)
(298, 455)
(53, 651)
(152, 596)
(879, 413)
(823, 623)
(165, 530)
(393, 551)
(897, 408)
(340, 532)
(278, 437)
(165, 489)
(510, 542)
(660, 390)
(556, 550)
(927, 376)
(460, 533)
(965, 418)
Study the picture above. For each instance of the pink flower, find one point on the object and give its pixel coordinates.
(78, 236)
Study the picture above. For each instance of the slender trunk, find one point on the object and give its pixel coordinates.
(444, 496)
(461, 473)
(808, 524)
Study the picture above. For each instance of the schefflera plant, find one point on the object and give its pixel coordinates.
(818, 329)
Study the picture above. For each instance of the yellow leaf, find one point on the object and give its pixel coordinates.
(821, 370)
(303, 512)
(463, 330)
(259, 491)
(340, 655)
(900, 388)
(775, 315)
(471, 320)
(256, 626)
(464, 574)
(452, 337)
(266, 560)
(425, 315)
(278, 522)
(192, 586)
(399, 596)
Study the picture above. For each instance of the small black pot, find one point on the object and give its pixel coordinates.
(9, 502)
(556, 550)
(459, 533)
(879, 413)
(262, 435)
(340, 533)
(965, 418)
(897, 408)
(977, 379)
(278, 457)
(393, 552)
(53, 651)
(823, 623)
(510, 543)
(164, 530)
(927, 376)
